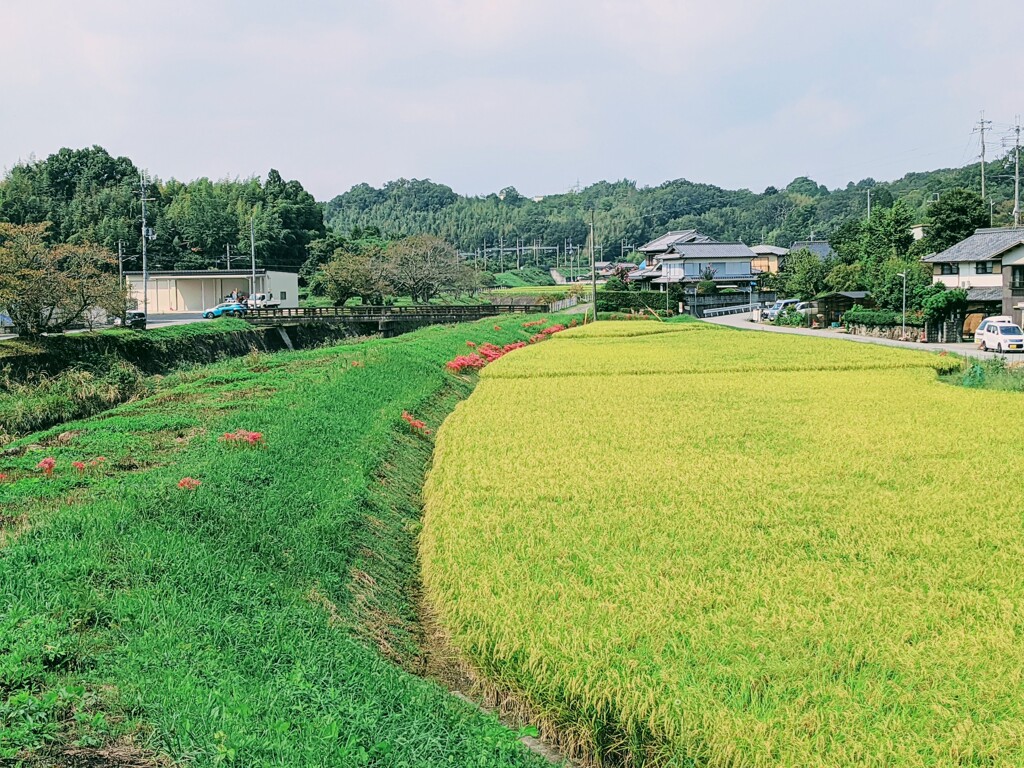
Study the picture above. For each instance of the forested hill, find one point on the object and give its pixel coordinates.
(627, 215)
(90, 196)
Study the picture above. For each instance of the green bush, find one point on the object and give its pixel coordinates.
(880, 318)
(622, 301)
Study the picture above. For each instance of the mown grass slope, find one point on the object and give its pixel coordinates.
(260, 618)
(742, 560)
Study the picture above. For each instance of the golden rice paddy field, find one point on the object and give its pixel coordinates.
(739, 550)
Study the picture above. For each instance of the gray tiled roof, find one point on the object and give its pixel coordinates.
(710, 251)
(819, 248)
(646, 272)
(669, 239)
(769, 250)
(983, 245)
(984, 294)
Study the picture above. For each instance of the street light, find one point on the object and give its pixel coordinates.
(904, 276)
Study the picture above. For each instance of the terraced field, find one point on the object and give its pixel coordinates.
(734, 549)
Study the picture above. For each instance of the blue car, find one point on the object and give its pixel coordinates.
(231, 308)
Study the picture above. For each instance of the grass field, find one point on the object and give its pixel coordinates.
(737, 549)
(262, 617)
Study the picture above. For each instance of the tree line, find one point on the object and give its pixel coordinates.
(89, 196)
(626, 215)
(872, 254)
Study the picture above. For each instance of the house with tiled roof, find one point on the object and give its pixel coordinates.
(989, 265)
(770, 258)
(686, 256)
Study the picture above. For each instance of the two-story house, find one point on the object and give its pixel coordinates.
(687, 256)
(720, 262)
(989, 265)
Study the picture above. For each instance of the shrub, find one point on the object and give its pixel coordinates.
(879, 318)
(620, 301)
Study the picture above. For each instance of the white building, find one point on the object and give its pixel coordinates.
(196, 290)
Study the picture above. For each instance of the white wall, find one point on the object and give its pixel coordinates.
(286, 283)
(969, 276)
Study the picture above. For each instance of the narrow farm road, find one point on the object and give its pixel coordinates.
(745, 323)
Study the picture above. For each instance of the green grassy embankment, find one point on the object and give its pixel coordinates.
(261, 618)
(59, 378)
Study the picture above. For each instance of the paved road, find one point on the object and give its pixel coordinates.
(155, 321)
(744, 322)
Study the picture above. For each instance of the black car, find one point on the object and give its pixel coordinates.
(132, 319)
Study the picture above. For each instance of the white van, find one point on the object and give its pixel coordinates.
(262, 301)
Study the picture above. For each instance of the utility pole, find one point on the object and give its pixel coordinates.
(120, 262)
(982, 125)
(1016, 175)
(903, 336)
(869, 205)
(229, 255)
(593, 265)
(145, 238)
(252, 253)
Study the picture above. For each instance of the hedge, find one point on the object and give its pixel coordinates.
(621, 301)
(879, 318)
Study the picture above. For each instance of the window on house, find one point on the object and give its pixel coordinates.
(1017, 278)
(983, 268)
(284, 295)
(949, 269)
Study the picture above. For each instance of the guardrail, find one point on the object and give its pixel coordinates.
(734, 310)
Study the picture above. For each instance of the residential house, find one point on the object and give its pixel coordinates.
(770, 258)
(650, 268)
(989, 265)
(193, 290)
(724, 263)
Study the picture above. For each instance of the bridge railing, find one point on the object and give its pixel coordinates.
(388, 312)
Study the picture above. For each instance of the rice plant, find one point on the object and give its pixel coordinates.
(737, 549)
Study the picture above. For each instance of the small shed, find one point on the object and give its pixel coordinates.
(833, 305)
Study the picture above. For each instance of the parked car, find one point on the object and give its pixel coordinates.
(1002, 337)
(132, 319)
(979, 332)
(262, 301)
(232, 308)
(777, 308)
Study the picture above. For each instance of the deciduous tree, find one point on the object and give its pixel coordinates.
(49, 288)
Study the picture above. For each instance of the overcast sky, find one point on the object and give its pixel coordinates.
(535, 94)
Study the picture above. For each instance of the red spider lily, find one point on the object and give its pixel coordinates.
(553, 329)
(490, 352)
(537, 337)
(416, 425)
(3, 478)
(242, 437)
(358, 364)
(470, 343)
(189, 483)
(514, 345)
(80, 466)
(497, 327)
(47, 465)
(462, 362)
(534, 323)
